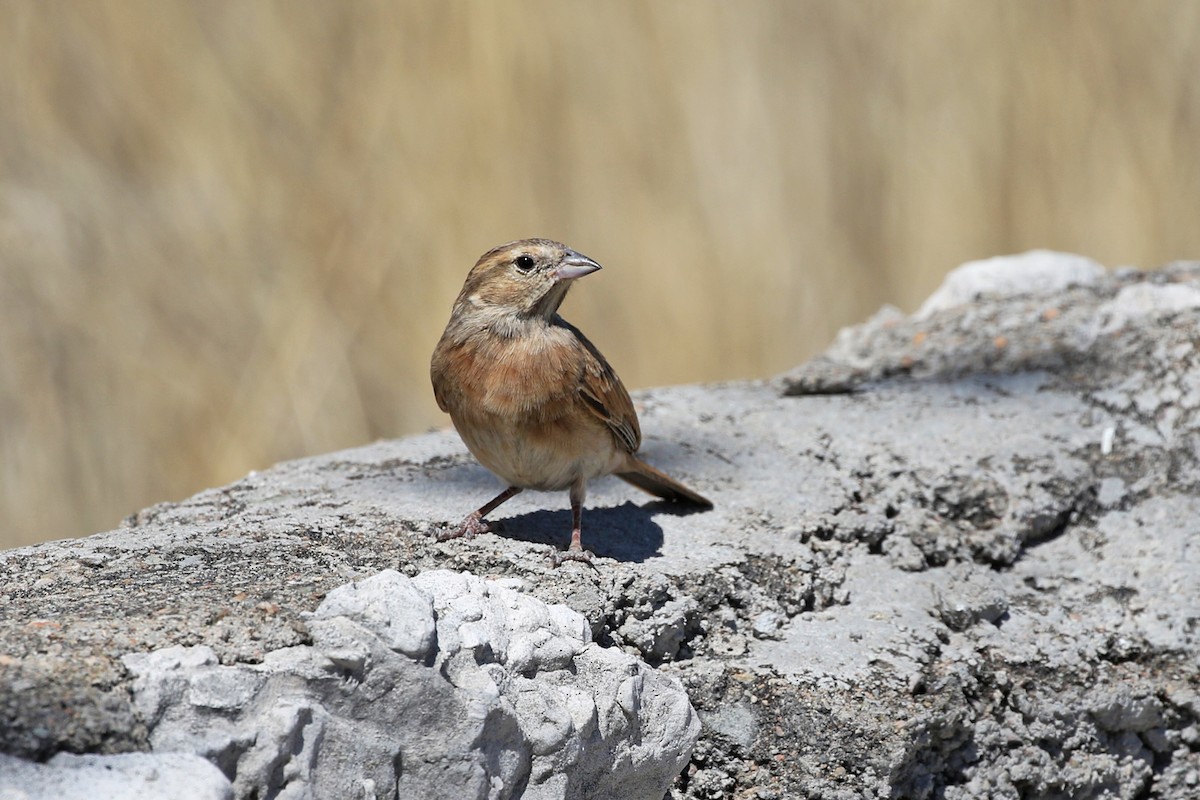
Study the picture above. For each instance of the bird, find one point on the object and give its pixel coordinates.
(535, 402)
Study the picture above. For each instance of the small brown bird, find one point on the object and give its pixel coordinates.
(531, 397)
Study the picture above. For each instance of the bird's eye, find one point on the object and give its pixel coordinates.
(524, 263)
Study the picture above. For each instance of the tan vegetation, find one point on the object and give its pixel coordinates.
(230, 233)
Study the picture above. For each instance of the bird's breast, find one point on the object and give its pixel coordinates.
(516, 404)
(529, 376)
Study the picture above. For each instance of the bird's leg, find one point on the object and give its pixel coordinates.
(576, 524)
(575, 552)
(474, 524)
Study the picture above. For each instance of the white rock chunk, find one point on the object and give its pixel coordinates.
(1033, 272)
(442, 686)
(146, 776)
(1146, 299)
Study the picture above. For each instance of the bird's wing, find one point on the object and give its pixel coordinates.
(604, 394)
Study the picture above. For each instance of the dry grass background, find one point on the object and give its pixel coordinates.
(230, 232)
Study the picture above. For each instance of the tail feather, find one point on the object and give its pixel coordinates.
(657, 483)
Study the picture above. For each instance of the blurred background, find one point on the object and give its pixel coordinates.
(231, 232)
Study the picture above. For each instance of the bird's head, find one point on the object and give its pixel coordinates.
(528, 278)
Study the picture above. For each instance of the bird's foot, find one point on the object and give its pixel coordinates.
(572, 553)
(469, 528)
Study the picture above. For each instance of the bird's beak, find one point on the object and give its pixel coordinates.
(575, 265)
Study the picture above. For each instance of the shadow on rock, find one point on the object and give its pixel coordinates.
(626, 532)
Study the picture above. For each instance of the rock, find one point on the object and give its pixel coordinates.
(970, 598)
(388, 605)
(458, 687)
(951, 557)
(146, 776)
(1142, 300)
(1038, 272)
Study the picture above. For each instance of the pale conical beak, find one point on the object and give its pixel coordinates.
(575, 265)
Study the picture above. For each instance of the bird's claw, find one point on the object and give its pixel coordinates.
(557, 557)
(469, 528)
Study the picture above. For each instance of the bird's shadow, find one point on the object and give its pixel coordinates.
(626, 532)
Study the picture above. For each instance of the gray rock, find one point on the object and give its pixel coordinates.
(969, 597)
(952, 557)
(1140, 300)
(146, 776)
(457, 687)
(1034, 272)
(389, 606)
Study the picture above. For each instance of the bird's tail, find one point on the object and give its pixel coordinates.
(648, 479)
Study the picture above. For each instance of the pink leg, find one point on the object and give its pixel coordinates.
(576, 522)
(474, 524)
(575, 552)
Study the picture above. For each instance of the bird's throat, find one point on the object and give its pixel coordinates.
(547, 306)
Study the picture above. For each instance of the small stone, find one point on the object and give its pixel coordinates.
(766, 625)
(93, 558)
